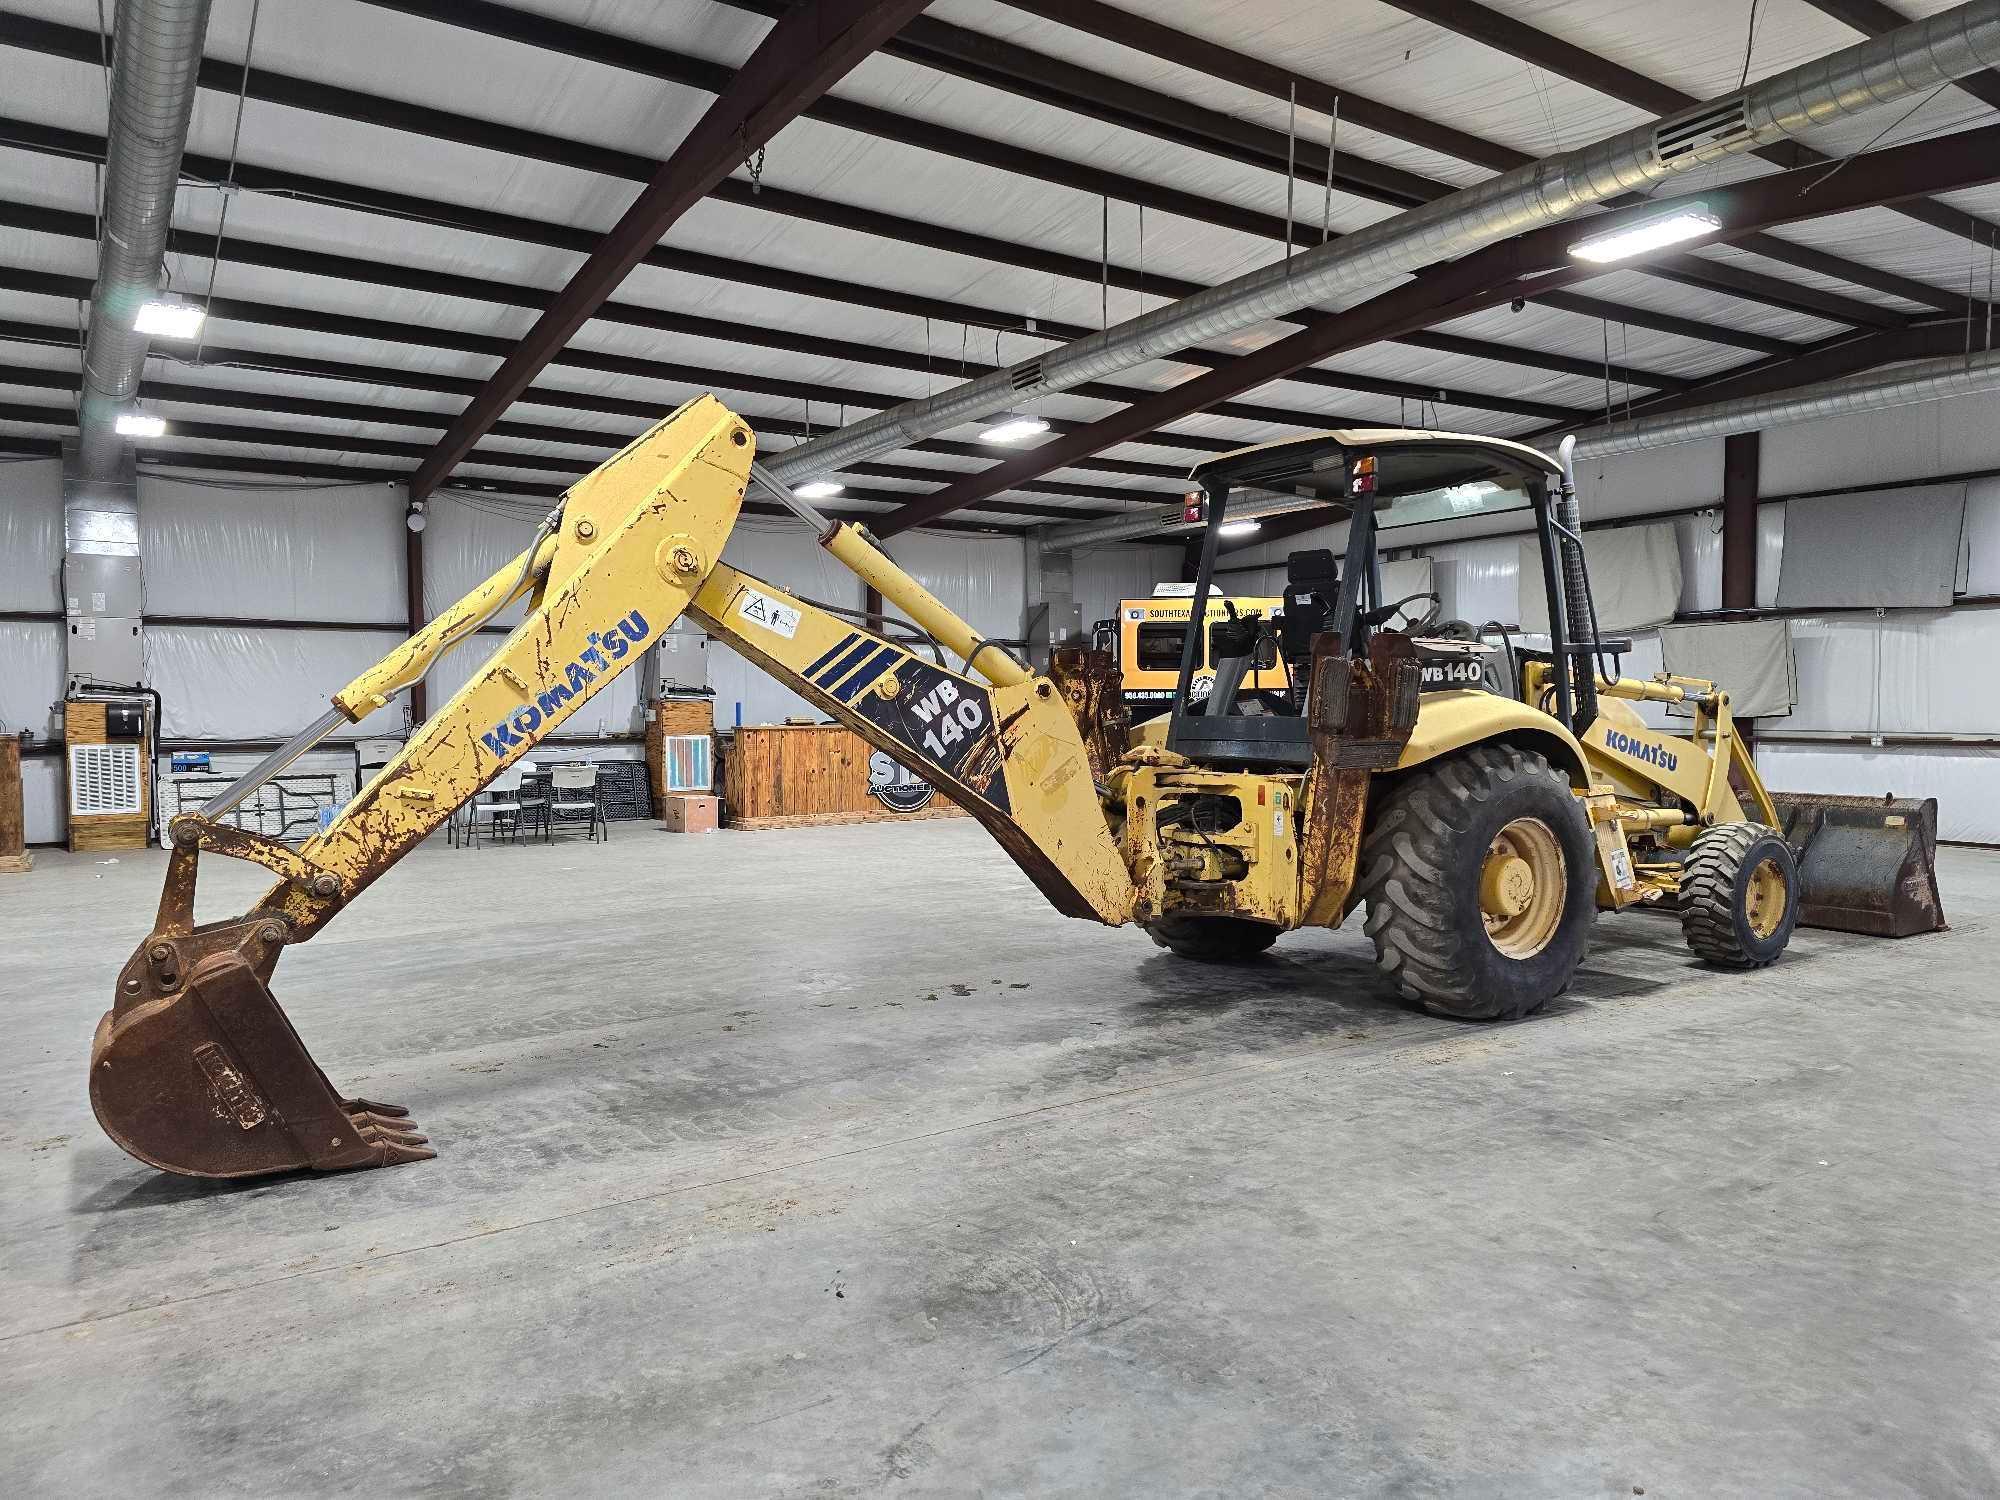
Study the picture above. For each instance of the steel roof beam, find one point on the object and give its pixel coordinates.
(56, 40)
(344, 325)
(287, 438)
(229, 398)
(810, 48)
(476, 289)
(1126, 29)
(387, 273)
(1066, 85)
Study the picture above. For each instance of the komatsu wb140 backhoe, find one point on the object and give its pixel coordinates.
(1480, 828)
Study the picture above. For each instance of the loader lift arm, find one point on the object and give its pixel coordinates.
(197, 1070)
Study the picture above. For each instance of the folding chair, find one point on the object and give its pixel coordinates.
(577, 796)
(500, 802)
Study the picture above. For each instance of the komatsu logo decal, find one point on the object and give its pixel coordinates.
(594, 661)
(1652, 755)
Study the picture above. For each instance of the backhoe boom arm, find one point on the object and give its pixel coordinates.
(196, 1068)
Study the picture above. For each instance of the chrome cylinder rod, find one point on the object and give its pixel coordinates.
(245, 786)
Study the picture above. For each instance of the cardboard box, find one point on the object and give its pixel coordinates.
(690, 814)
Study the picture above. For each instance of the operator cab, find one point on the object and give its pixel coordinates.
(1372, 480)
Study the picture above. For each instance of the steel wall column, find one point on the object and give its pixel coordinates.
(1740, 457)
(413, 584)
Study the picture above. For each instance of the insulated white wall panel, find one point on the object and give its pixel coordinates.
(1770, 552)
(1656, 479)
(1938, 672)
(981, 579)
(31, 676)
(1882, 447)
(1103, 576)
(283, 553)
(1634, 578)
(1982, 537)
(1700, 539)
(31, 534)
(1835, 656)
(229, 683)
(465, 544)
(1480, 580)
(1966, 781)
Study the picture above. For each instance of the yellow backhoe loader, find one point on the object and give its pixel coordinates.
(1481, 829)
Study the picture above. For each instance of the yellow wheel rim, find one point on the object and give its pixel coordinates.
(1522, 888)
(1765, 898)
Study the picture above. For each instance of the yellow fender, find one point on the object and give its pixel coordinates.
(1458, 717)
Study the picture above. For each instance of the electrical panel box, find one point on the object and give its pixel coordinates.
(682, 658)
(103, 602)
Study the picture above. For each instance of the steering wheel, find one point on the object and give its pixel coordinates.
(1412, 623)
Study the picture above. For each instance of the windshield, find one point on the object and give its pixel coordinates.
(1474, 497)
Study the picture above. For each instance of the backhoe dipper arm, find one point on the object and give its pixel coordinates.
(1007, 750)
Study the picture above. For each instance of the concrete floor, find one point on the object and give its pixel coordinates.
(830, 1162)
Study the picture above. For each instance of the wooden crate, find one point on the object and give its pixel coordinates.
(799, 775)
(83, 724)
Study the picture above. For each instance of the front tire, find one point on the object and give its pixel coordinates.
(1739, 896)
(1480, 878)
(1212, 940)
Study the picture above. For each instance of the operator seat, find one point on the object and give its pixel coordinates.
(1312, 586)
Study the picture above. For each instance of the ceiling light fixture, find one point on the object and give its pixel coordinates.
(414, 518)
(1687, 221)
(1239, 528)
(819, 489)
(140, 424)
(168, 318)
(1012, 426)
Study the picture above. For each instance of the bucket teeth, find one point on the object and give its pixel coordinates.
(371, 1107)
(397, 1134)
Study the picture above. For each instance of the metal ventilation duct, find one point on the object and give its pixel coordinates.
(1906, 385)
(158, 54)
(153, 72)
(1893, 66)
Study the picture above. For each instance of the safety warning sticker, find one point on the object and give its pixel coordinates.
(762, 609)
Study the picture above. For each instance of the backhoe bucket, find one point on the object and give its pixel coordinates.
(1866, 864)
(197, 1070)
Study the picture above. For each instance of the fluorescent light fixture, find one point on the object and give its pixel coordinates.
(168, 318)
(1012, 427)
(819, 489)
(1239, 528)
(1689, 221)
(140, 424)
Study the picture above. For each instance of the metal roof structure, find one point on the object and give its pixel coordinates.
(381, 199)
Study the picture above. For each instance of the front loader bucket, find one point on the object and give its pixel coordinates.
(197, 1070)
(1866, 864)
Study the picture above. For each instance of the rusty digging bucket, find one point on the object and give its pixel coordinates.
(197, 1070)
(1866, 864)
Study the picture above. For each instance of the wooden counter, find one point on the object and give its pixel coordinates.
(14, 856)
(796, 775)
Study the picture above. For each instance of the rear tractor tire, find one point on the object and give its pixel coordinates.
(1739, 895)
(1480, 877)
(1212, 940)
